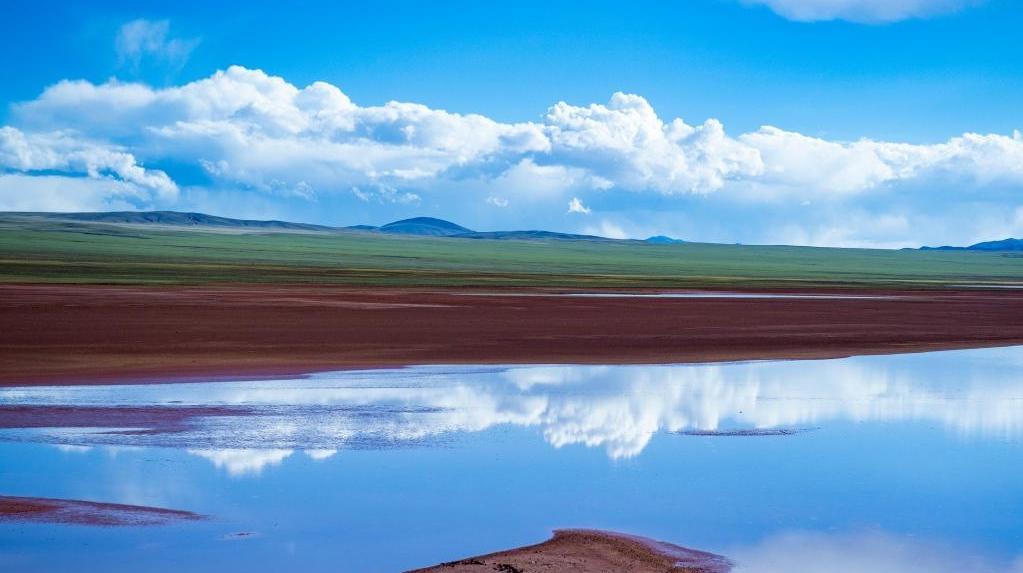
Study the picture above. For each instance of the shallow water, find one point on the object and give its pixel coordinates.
(891, 464)
(693, 294)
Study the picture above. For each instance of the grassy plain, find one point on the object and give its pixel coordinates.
(65, 252)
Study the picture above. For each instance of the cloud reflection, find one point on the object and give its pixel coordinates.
(876, 552)
(319, 454)
(239, 462)
(977, 393)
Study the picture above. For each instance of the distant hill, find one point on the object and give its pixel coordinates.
(427, 226)
(527, 235)
(663, 240)
(417, 226)
(172, 218)
(433, 227)
(1003, 245)
(989, 246)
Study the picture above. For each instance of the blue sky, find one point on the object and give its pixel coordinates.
(871, 106)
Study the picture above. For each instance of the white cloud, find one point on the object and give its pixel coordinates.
(381, 194)
(854, 229)
(248, 131)
(607, 229)
(576, 206)
(626, 143)
(62, 151)
(816, 166)
(20, 192)
(869, 11)
(246, 127)
(528, 180)
(141, 39)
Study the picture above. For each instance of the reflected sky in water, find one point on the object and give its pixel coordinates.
(884, 460)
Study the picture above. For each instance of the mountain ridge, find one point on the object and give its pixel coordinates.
(170, 218)
(1003, 245)
(427, 226)
(415, 226)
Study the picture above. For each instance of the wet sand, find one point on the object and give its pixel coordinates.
(71, 511)
(106, 334)
(128, 419)
(587, 551)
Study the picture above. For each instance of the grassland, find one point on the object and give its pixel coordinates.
(61, 252)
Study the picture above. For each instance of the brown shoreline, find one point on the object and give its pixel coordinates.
(590, 550)
(78, 512)
(75, 334)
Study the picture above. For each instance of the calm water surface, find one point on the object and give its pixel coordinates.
(885, 464)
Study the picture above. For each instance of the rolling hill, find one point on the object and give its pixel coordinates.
(168, 218)
(416, 226)
(987, 246)
(168, 249)
(427, 226)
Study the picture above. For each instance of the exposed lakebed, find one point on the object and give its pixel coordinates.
(882, 463)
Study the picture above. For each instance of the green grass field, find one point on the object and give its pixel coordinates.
(57, 252)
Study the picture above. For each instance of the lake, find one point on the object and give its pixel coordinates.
(899, 463)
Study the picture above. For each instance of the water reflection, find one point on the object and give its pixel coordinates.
(976, 393)
(695, 294)
(250, 461)
(871, 551)
(911, 464)
(239, 462)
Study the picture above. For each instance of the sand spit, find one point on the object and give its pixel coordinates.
(589, 551)
(140, 419)
(77, 512)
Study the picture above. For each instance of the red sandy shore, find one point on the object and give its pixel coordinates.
(71, 511)
(587, 550)
(88, 334)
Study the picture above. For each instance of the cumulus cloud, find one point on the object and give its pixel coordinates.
(71, 173)
(245, 130)
(576, 206)
(19, 192)
(529, 180)
(247, 127)
(869, 11)
(626, 143)
(147, 39)
(62, 151)
(797, 161)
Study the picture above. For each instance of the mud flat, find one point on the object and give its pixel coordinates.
(77, 512)
(586, 551)
(71, 334)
